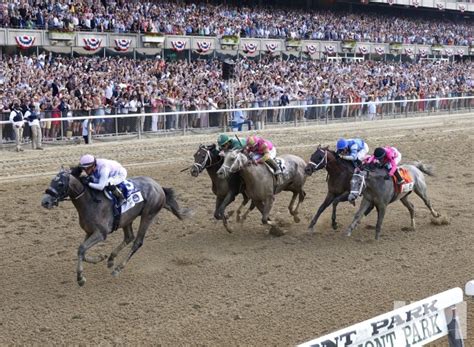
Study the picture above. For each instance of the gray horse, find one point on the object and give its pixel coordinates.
(96, 214)
(260, 184)
(225, 189)
(379, 192)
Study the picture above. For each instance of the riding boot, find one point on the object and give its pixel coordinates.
(272, 163)
(118, 195)
(400, 180)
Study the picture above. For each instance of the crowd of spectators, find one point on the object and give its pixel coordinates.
(181, 18)
(59, 86)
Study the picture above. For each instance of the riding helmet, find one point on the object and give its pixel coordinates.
(222, 139)
(87, 160)
(251, 141)
(341, 144)
(379, 153)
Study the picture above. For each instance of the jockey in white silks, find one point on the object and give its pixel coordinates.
(104, 173)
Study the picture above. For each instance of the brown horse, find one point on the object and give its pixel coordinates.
(339, 180)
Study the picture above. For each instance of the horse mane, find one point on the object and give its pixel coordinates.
(76, 171)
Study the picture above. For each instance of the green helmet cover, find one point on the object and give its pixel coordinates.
(223, 139)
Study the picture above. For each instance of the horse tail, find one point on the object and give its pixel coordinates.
(426, 169)
(172, 205)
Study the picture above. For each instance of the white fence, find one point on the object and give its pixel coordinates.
(115, 123)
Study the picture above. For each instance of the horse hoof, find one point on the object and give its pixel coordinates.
(81, 281)
(110, 263)
(335, 226)
(348, 233)
(116, 271)
(230, 213)
(228, 229)
(296, 219)
(310, 230)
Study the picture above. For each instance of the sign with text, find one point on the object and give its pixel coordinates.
(409, 326)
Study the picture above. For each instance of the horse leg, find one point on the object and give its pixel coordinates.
(266, 208)
(380, 215)
(420, 190)
(92, 240)
(410, 208)
(220, 209)
(364, 206)
(239, 210)
(127, 238)
(301, 196)
(91, 259)
(290, 207)
(329, 199)
(217, 214)
(337, 200)
(251, 208)
(144, 224)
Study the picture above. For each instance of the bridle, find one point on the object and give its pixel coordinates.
(62, 196)
(324, 161)
(201, 166)
(226, 168)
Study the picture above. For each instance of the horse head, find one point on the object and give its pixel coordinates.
(318, 160)
(234, 161)
(203, 158)
(58, 189)
(358, 184)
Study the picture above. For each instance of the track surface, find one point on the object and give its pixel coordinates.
(193, 283)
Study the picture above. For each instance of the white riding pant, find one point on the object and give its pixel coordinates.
(363, 153)
(273, 154)
(118, 177)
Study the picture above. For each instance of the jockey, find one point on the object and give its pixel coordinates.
(354, 150)
(261, 150)
(103, 174)
(226, 143)
(388, 157)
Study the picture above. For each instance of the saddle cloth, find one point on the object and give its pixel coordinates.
(132, 195)
(408, 185)
(282, 164)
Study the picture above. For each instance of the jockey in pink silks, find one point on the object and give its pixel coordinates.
(104, 173)
(261, 150)
(388, 157)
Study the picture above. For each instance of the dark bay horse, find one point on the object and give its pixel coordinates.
(260, 182)
(379, 192)
(225, 189)
(339, 180)
(96, 215)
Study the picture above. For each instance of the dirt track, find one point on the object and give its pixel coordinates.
(193, 283)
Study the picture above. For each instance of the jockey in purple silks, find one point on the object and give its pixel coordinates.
(104, 173)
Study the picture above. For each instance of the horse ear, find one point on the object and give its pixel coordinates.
(326, 148)
(319, 146)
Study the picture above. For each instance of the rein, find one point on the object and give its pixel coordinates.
(324, 159)
(201, 166)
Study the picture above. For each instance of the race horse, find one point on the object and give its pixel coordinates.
(379, 192)
(261, 185)
(339, 180)
(224, 188)
(96, 216)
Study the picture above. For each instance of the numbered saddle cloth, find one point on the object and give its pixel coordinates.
(131, 194)
(408, 185)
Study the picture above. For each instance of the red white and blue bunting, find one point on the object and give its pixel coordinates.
(203, 46)
(122, 45)
(440, 6)
(250, 48)
(409, 51)
(311, 49)
(178, 45)
(460, 52)
(363, 50)
(462, 7)
(92, 44)
(415, 3)
(330, 49)
(272, 47)
(423, 52)
(391, 2)
(448, 51)
(379, 50)
(25, 41)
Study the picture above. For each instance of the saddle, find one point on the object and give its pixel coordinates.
(405, 187)
(132, 197)
(281, 163)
